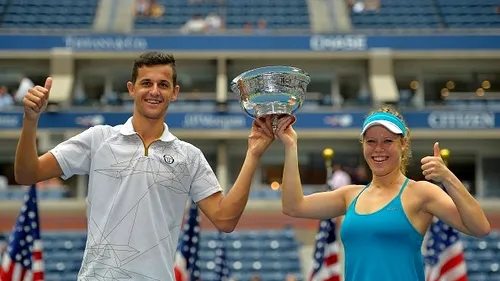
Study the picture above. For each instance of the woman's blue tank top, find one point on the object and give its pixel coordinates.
(382, 245)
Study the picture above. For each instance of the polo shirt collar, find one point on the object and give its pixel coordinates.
(128, 129)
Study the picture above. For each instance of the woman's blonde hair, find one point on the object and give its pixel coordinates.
(405, 140)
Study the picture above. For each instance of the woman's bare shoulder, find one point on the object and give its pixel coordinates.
(352, 189)
(355, 186)
(421, 186)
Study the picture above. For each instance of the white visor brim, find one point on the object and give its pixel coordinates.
(387, 124)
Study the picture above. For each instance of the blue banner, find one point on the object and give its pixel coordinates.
(221, 43)
(431, 120)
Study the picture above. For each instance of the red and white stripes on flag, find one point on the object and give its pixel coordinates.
(326, 263)
(15, 271)
(23, 259)
(444, 255)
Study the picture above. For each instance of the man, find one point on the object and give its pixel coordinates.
(140, 177)
(6, 100)
(24, 85)
(340, 177)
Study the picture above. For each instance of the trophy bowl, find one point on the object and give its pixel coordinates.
(271, 90)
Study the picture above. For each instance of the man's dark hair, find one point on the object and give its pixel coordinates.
(153, 59)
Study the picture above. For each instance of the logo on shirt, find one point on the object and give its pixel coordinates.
(168, 159)
(393, 208)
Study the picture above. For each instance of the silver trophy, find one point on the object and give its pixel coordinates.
(271, 90)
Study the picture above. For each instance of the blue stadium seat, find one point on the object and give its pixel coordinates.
(478, 277)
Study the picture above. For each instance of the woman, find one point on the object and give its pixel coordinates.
(385, 221)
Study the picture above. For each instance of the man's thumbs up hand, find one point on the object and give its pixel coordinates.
(36, 99)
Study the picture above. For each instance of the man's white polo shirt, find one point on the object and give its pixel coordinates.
(136, 198)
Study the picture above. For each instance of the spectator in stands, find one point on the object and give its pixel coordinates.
(142, 8)
(213, 23)
(385, 221)
(4, 182)
(359, 6)
(361, 176)
(24, 85)
(156, 9)
(255, 278)
(6, 99)
(195, 24)
(340, 178)
(140, 176)
(372, 5)
(356, 6)
(261, 26)
(248, 27)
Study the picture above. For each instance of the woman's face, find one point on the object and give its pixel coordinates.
(382, 150)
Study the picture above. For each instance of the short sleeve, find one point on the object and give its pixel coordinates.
(204, 182)
(74, 154)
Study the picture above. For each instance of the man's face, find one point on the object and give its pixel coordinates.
(153, 91)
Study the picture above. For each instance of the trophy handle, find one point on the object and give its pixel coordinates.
(248, 113)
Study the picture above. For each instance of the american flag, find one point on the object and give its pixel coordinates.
(444, 257)
(326, 264)
(186, 258)
(23, 259)
(221, 267)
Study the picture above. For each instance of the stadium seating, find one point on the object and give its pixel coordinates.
(19, 193)
(429, 14)
(483, 257)
(283, 14)
(399, 14)
(293, 14)
(469, 14)
(269, 253)
(56, 14)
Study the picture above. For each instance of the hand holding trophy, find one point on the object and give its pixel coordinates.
(272, 90)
